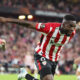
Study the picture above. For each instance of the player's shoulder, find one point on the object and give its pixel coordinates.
(54, 24)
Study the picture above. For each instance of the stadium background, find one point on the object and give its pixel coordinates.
(22, 41)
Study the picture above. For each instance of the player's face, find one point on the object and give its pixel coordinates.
(68, 27)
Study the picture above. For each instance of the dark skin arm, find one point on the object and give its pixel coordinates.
(24, 23)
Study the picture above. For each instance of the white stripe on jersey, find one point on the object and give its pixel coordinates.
(49, 44)
(63, 45)
(56, 47)
(40, 52)
(37, 48)
(50, 29)
(39, 25)
(44, 39)
(66, 40)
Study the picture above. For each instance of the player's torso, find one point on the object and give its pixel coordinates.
(51, 44)
(57, 38)
(54, 40)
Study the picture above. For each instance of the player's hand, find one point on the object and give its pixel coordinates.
(2, 44)
(3, 19)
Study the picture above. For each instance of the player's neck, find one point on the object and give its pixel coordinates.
(63, 32)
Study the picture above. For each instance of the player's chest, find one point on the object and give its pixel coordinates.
(58, 39)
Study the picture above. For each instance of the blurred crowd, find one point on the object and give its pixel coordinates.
(20, 45)
(20, 48)
(70, 52)
(55, 5)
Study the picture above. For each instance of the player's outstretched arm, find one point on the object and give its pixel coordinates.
(24, 23)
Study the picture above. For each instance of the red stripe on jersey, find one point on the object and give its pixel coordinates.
(38, 50)
(57, 38)
(42, 37)
(53, 46)
(46, 43)
(37, 26)
(71, 36)
(39, 65)
(51, 51)
(57, 53)
(63, 41)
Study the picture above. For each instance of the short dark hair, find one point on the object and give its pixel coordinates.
(69, 18)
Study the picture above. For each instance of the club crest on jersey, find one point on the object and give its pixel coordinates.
(42, 26)
(44, 62)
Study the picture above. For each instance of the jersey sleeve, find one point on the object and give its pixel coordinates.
(43, 27)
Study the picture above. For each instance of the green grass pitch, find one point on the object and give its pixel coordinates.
(14, 77)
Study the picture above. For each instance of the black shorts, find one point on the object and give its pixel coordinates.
(44, 65)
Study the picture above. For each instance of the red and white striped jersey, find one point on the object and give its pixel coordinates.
(51, 40)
